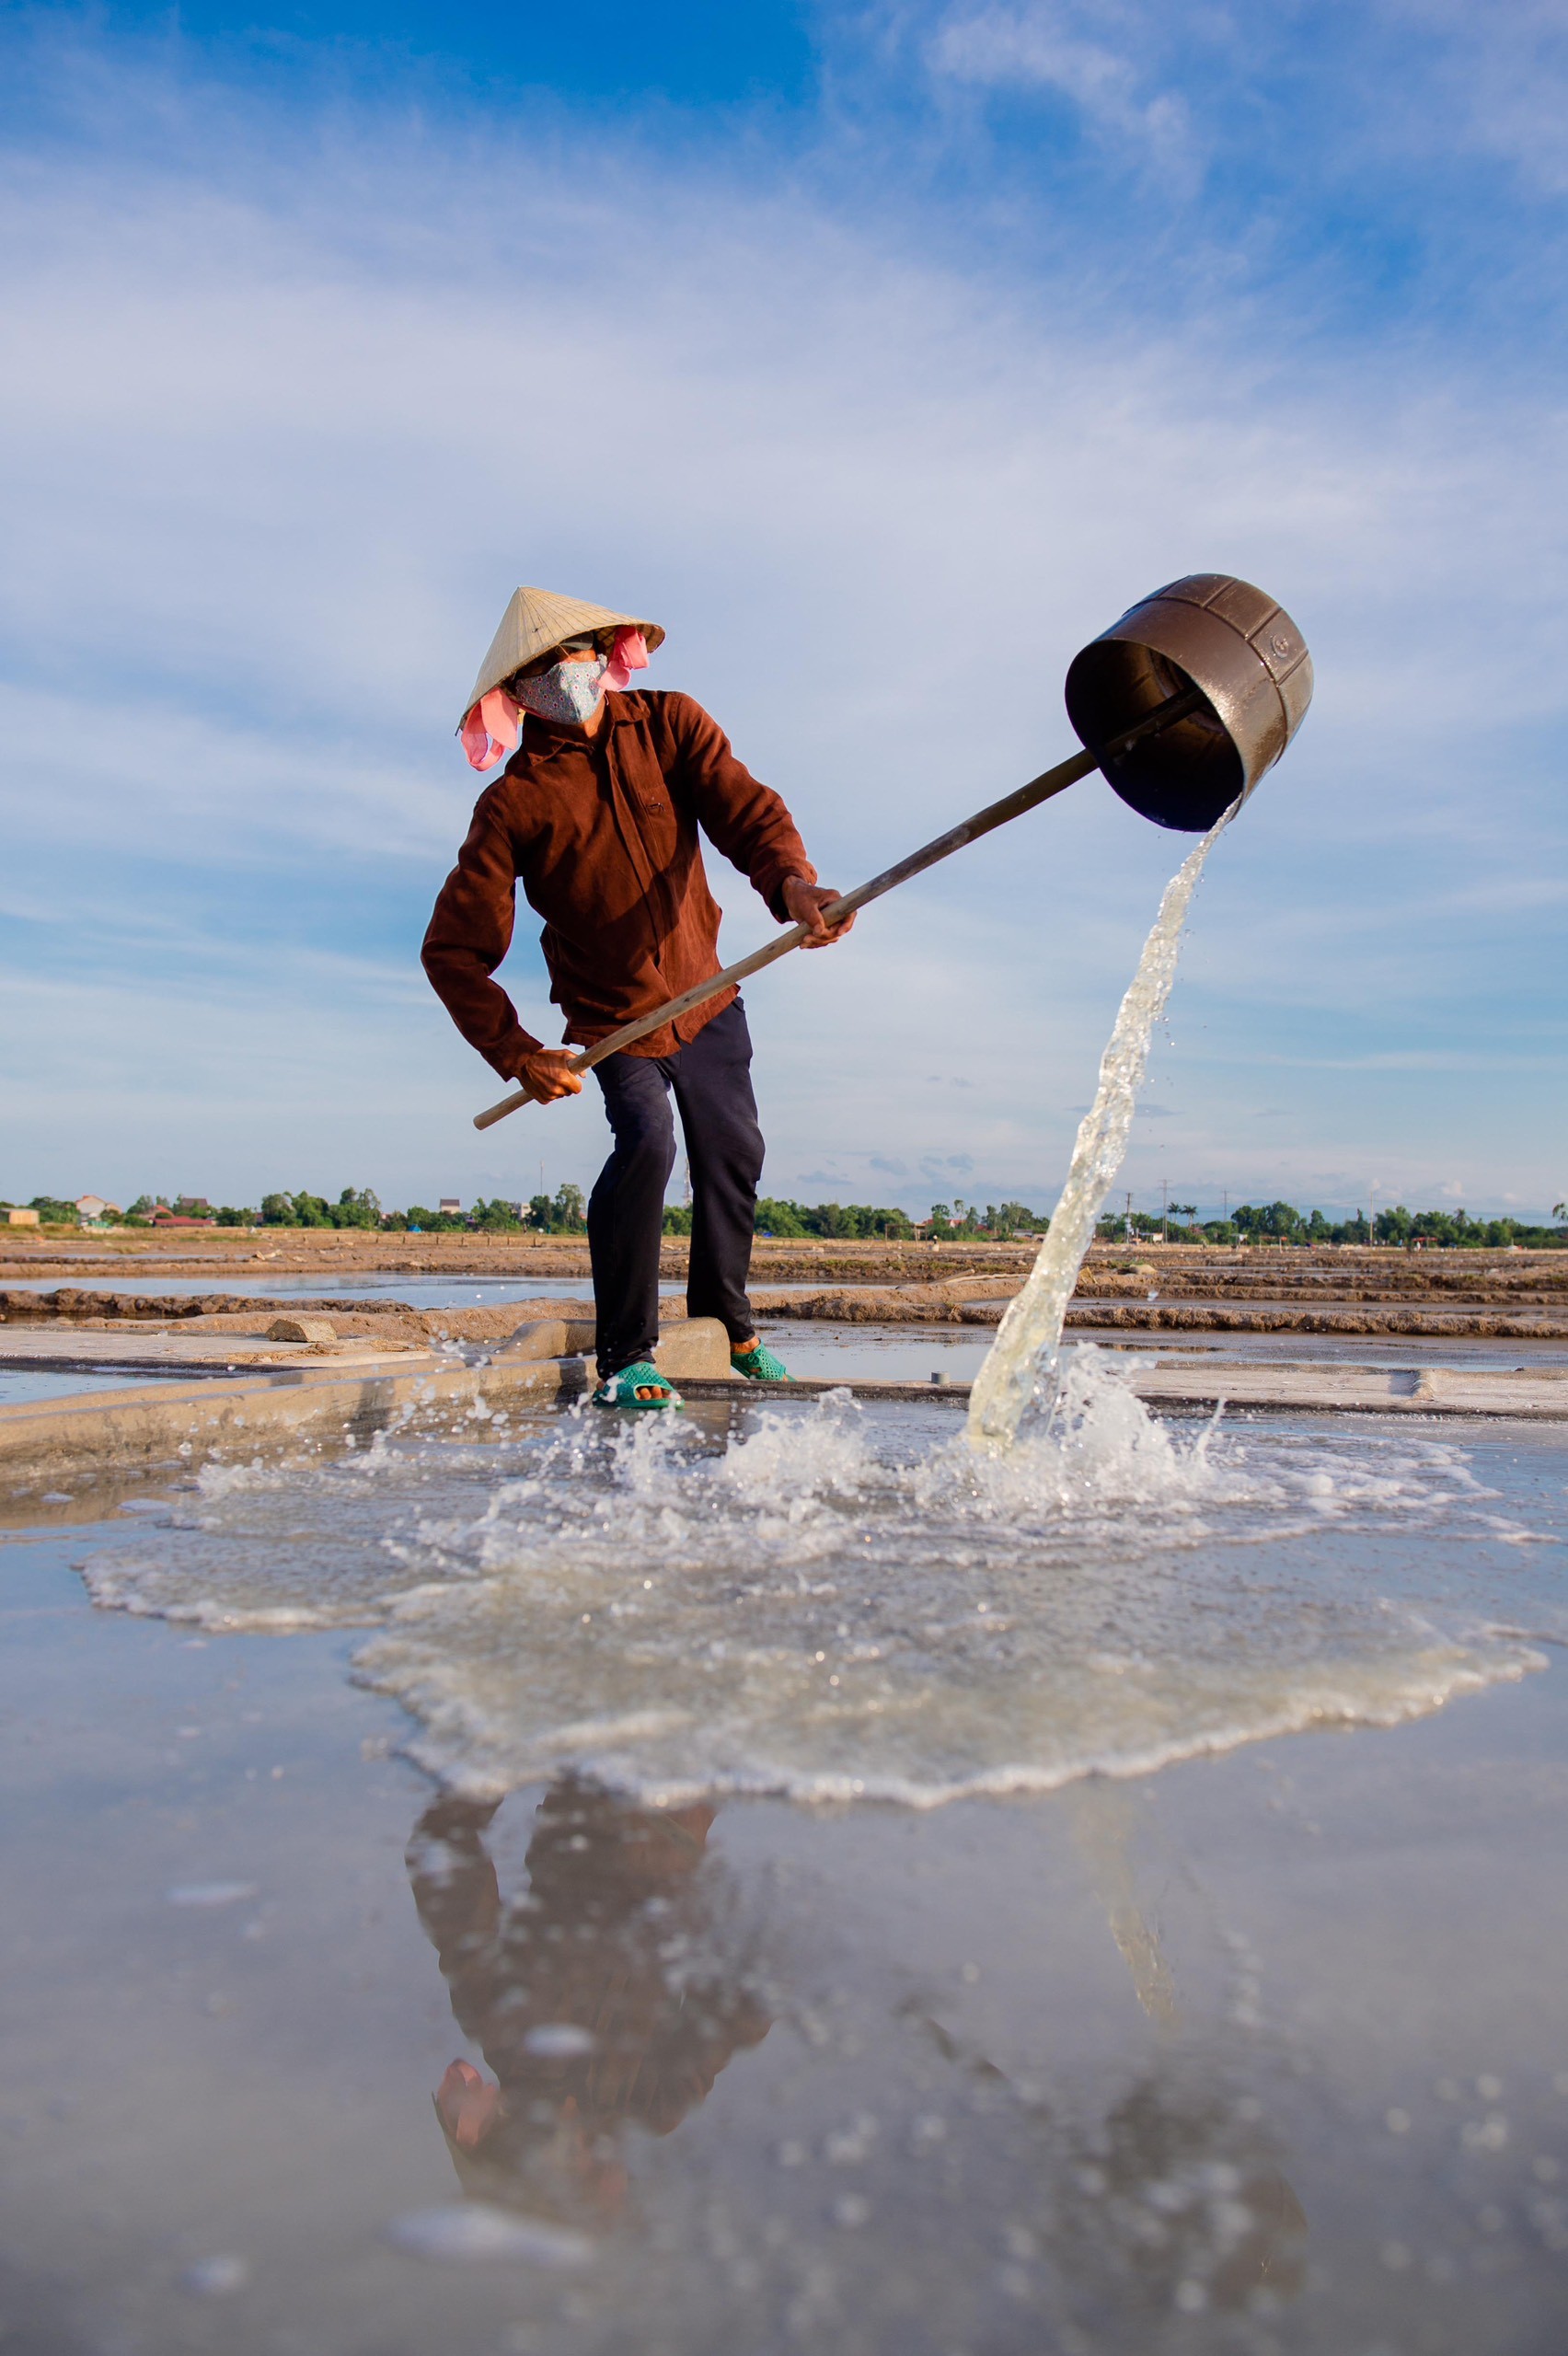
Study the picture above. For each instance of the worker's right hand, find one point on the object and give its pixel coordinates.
(547, 1073)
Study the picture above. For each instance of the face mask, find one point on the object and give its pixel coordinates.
(567, 691)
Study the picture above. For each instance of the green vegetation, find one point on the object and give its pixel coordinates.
(850, 1222)
(1282, 1223)
(355, 1206)
(52, 1213)
(996, 1222)
(565, 1213)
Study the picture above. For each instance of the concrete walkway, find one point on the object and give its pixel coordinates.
(130, 1349)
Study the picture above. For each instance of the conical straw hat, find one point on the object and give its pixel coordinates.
(537, 619)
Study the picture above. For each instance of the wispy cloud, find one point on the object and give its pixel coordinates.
(1097, 54)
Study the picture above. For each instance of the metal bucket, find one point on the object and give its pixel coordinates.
(1209, 631)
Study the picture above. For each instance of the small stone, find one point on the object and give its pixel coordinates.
(302, 1329)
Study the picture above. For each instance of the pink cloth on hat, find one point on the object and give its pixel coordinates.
(492, 728)
(630, 655)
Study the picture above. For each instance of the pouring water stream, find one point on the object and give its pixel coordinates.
(1021, 1364)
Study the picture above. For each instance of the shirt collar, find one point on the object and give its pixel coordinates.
(548, 738)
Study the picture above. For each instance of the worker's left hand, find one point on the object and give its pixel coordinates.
(805, 903)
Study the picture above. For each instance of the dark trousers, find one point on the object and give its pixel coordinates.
(710, 1080)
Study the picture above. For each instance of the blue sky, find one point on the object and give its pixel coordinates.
(885, 353)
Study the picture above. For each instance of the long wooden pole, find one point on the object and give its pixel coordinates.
(984, 822)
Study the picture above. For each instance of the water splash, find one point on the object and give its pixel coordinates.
(1021, 1364)
(838, 1602)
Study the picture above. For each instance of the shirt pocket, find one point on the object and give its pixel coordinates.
(658, 826)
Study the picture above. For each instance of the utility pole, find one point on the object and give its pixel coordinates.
(1127, 1218)
(1164, 1211)
(1371, 1215)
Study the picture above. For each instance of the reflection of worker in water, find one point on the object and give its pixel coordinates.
(595, 1995)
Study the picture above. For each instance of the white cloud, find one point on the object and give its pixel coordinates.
(1097, 56)
(286, 428)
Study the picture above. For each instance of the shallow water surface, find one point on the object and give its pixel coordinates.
(1266, 2052)
(419, 1290)
(20, 1382)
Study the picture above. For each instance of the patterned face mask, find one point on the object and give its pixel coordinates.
(567, 691)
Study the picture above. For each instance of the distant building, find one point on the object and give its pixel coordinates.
(15, 1217)
(449, 1206)
(93, 1206)
(161, 1215)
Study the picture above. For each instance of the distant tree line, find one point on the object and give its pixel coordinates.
(565, 1213)
(1282, 1223)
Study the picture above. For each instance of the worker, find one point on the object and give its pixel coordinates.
(596, 816)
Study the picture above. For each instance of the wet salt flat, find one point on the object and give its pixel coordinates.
(418, 1291)
(782, 1974)
(17, 1383)
(962, 1350)
(911, 1353)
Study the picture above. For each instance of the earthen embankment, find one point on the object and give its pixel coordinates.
(1506, 1295)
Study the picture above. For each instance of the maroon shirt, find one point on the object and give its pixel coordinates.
(602, 833)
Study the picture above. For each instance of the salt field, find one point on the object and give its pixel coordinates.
(771, 1877)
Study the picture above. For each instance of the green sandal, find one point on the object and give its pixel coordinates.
(759, 1365)
(621, 1389)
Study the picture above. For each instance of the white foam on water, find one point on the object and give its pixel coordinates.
(846, 1601)
(816, 1614)
(1020, 1368)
